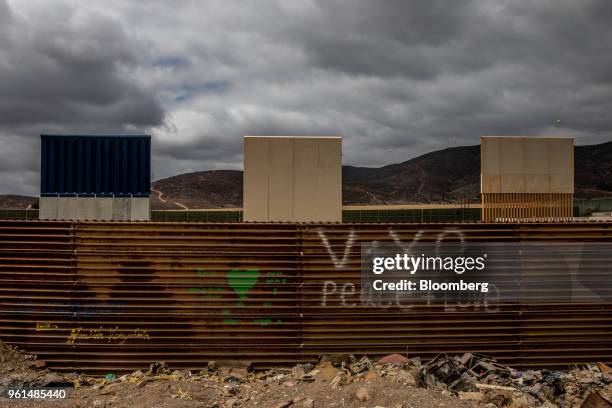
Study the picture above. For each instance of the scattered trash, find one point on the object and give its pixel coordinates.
(466, 379)
(474, 375)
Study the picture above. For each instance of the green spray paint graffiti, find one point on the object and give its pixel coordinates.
(241, 281)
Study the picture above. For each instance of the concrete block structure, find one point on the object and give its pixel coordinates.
(292, 179)
(527, 178)
(95, 208)
(101, 178)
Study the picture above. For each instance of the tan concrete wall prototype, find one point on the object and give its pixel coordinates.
(294, 179)
(527, 164)
(95, 208)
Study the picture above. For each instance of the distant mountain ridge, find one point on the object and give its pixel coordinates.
(448, 175)
(12, 201)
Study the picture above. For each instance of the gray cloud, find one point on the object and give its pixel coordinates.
(395, 78)
(70, 69)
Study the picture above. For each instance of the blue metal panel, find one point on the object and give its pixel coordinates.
(124, 169)
(106, 174)
(133, 168)
(62, 164)
(98, 171)
(69, 187)
(50, 174)
(100, 165)
(147, 188)
(143, 157)
(90, 160)
(79, 168)
(115, 168)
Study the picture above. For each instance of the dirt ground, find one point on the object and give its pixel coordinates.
(203, 393)
(200, 392)
(356, 384)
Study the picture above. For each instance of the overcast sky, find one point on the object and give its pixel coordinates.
(395, 78)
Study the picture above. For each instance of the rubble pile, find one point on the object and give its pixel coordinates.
(13, 360)
(472, 377)
(21, 370)
(477, 377)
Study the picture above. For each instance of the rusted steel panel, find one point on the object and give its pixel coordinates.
(102, 297)
(129, 294)
(337, 321)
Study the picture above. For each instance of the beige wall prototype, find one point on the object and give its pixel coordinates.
(292, 178)
(527, 177)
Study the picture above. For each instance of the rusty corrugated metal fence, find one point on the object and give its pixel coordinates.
(102, 297)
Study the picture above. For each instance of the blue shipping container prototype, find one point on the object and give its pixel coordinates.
(103, 166)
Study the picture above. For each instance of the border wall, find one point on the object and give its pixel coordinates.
(526, 178)
(114, 297)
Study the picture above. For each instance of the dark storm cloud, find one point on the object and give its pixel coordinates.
(473, 68)
(63, 70)
(71, 72)
(395, 78)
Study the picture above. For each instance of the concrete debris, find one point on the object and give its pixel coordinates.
(362, 394)
(340, 379)
(327, 371)
(370, 376)
(471, 395)
(308, 403)
(40, 364)
(405, 378)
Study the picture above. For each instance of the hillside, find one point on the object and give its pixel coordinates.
(202, 189)
(451, 174)
(448, 175)
(11, 201)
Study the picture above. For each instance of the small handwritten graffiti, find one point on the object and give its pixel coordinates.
(274, 278)
(110, 335)
(208, 293)
(267, 322)
(42, 326)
